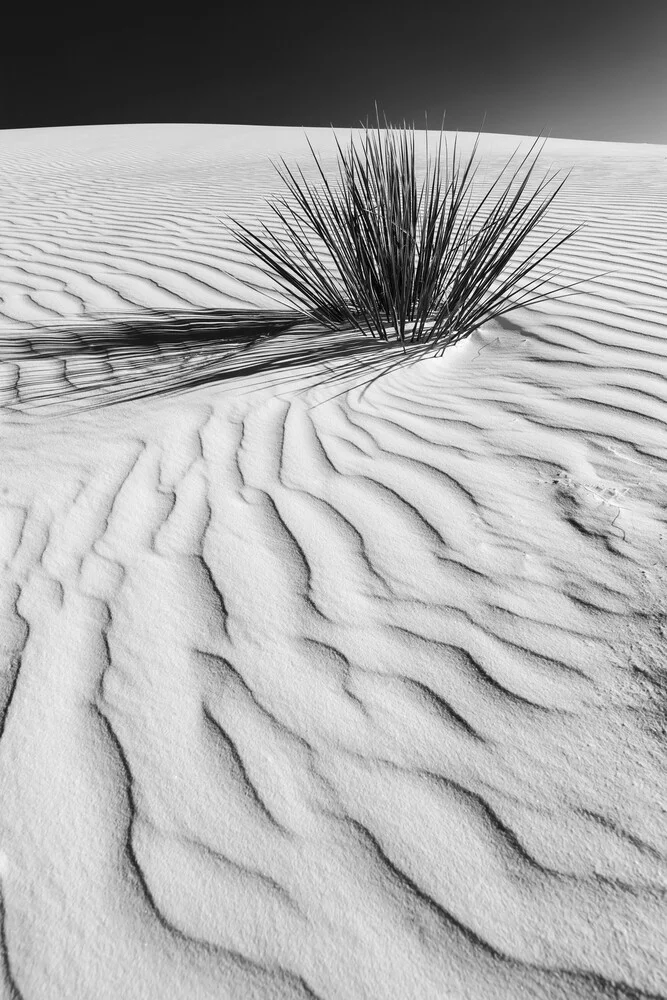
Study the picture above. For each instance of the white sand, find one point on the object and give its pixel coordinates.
(361, 700)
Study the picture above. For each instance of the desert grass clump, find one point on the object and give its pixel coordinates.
(398, 261)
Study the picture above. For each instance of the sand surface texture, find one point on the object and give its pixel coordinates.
(363, 699)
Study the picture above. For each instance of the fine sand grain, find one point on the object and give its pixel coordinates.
(355, 698)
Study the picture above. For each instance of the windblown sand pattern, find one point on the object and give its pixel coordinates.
(352, 697)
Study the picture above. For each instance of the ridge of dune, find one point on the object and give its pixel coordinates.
(300, 696)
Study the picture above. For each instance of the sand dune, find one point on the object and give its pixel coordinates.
(352, 697)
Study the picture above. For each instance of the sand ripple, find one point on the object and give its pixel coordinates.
(359, 699)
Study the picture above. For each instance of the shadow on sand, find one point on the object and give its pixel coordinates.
(103, 360)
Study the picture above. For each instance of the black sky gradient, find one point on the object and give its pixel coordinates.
(593, 69)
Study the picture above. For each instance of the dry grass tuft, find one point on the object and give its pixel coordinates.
(417, 264)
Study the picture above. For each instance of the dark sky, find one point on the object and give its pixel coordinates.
(592, 69)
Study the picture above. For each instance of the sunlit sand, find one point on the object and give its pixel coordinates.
(311, 688)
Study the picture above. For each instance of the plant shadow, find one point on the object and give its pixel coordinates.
(103, 360)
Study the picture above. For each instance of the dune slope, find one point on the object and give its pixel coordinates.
(352, 697)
